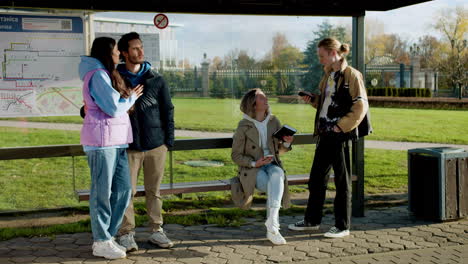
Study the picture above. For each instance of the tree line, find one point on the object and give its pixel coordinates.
(446, 54)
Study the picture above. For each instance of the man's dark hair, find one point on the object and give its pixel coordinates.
(122, 45)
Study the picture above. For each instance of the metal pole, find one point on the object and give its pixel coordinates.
(358, 147)
(171, 172)
(73, 174)
(402, 75)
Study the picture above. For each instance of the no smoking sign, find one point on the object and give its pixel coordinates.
(161, 21)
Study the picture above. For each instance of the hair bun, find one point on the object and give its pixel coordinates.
(344, 48)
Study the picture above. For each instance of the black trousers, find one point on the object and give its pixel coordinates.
(331, 151)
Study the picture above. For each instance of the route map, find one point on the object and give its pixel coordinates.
(39, 58)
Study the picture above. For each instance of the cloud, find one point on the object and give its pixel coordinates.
(218, 34)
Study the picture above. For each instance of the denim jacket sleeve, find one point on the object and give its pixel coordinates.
(106, 97)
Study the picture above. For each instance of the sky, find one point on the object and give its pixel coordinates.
(216, 35)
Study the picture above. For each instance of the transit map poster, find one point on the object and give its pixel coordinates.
(39, 65)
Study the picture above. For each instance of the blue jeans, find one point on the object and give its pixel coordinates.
(110, 190)
(270, 179)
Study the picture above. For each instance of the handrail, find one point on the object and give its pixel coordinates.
(52, 151)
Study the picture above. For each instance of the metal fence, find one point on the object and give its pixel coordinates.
(233, 83)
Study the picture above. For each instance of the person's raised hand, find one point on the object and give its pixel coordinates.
(307, 99)
(288, 139)
(138, 90)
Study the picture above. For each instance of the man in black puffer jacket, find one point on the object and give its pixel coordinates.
(153, 132)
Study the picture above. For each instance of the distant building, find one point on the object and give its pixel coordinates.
(161, 46)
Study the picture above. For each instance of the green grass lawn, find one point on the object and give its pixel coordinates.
(48, 183)
(390, 124)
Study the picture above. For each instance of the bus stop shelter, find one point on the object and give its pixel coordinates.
(354, 9)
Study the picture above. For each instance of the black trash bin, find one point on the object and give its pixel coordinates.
(438, 183)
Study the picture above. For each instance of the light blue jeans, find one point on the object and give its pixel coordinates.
(270, 179)
(110, 190)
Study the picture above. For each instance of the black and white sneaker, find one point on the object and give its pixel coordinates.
(334, 232)
(302, 226)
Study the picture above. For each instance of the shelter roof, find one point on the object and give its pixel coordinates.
(257, 7)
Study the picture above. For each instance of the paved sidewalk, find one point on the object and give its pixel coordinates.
(388, 235)
(392, 145)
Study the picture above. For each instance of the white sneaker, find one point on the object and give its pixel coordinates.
(160, 239)
(108, 250)
(273, 233)
(334, 232)
(115, 244)
(276, 238)
(128, 242)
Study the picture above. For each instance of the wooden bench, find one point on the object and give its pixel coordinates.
(201, 186)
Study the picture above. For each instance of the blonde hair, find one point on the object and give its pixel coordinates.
(247, 105)
(330, 44)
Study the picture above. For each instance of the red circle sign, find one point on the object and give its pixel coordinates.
(161, 21)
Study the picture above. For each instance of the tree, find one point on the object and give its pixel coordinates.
(374, 28)
(185, 64)
(452, 23)
(314, 70)
(388, 44)
(216, 64)
(289, 57)
(429, 51)
(244, 61)
(280, 42)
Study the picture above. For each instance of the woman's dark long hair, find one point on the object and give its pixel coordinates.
(102, 50)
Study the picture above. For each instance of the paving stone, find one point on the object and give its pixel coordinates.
(306, 249)
(279, 258)
(213, 260)
(230, 256)
(335, 252)
(407, 244)
(190, 260)
(460, 240)
(423, 234)
(426, 244)
(221, 249)
(48, 260)
(392, 246)
(84, 242)
(5, 260)
(398, 233)
(73, 261)
(318, 255)
(343, 245)
(355, 251)
(245, 251)
(270, 252)
(145, 261)
(239, 261)
(165, 262)
(438, 240)
(413, 239)
(254, 257)
(378, 249)
(23, 259)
